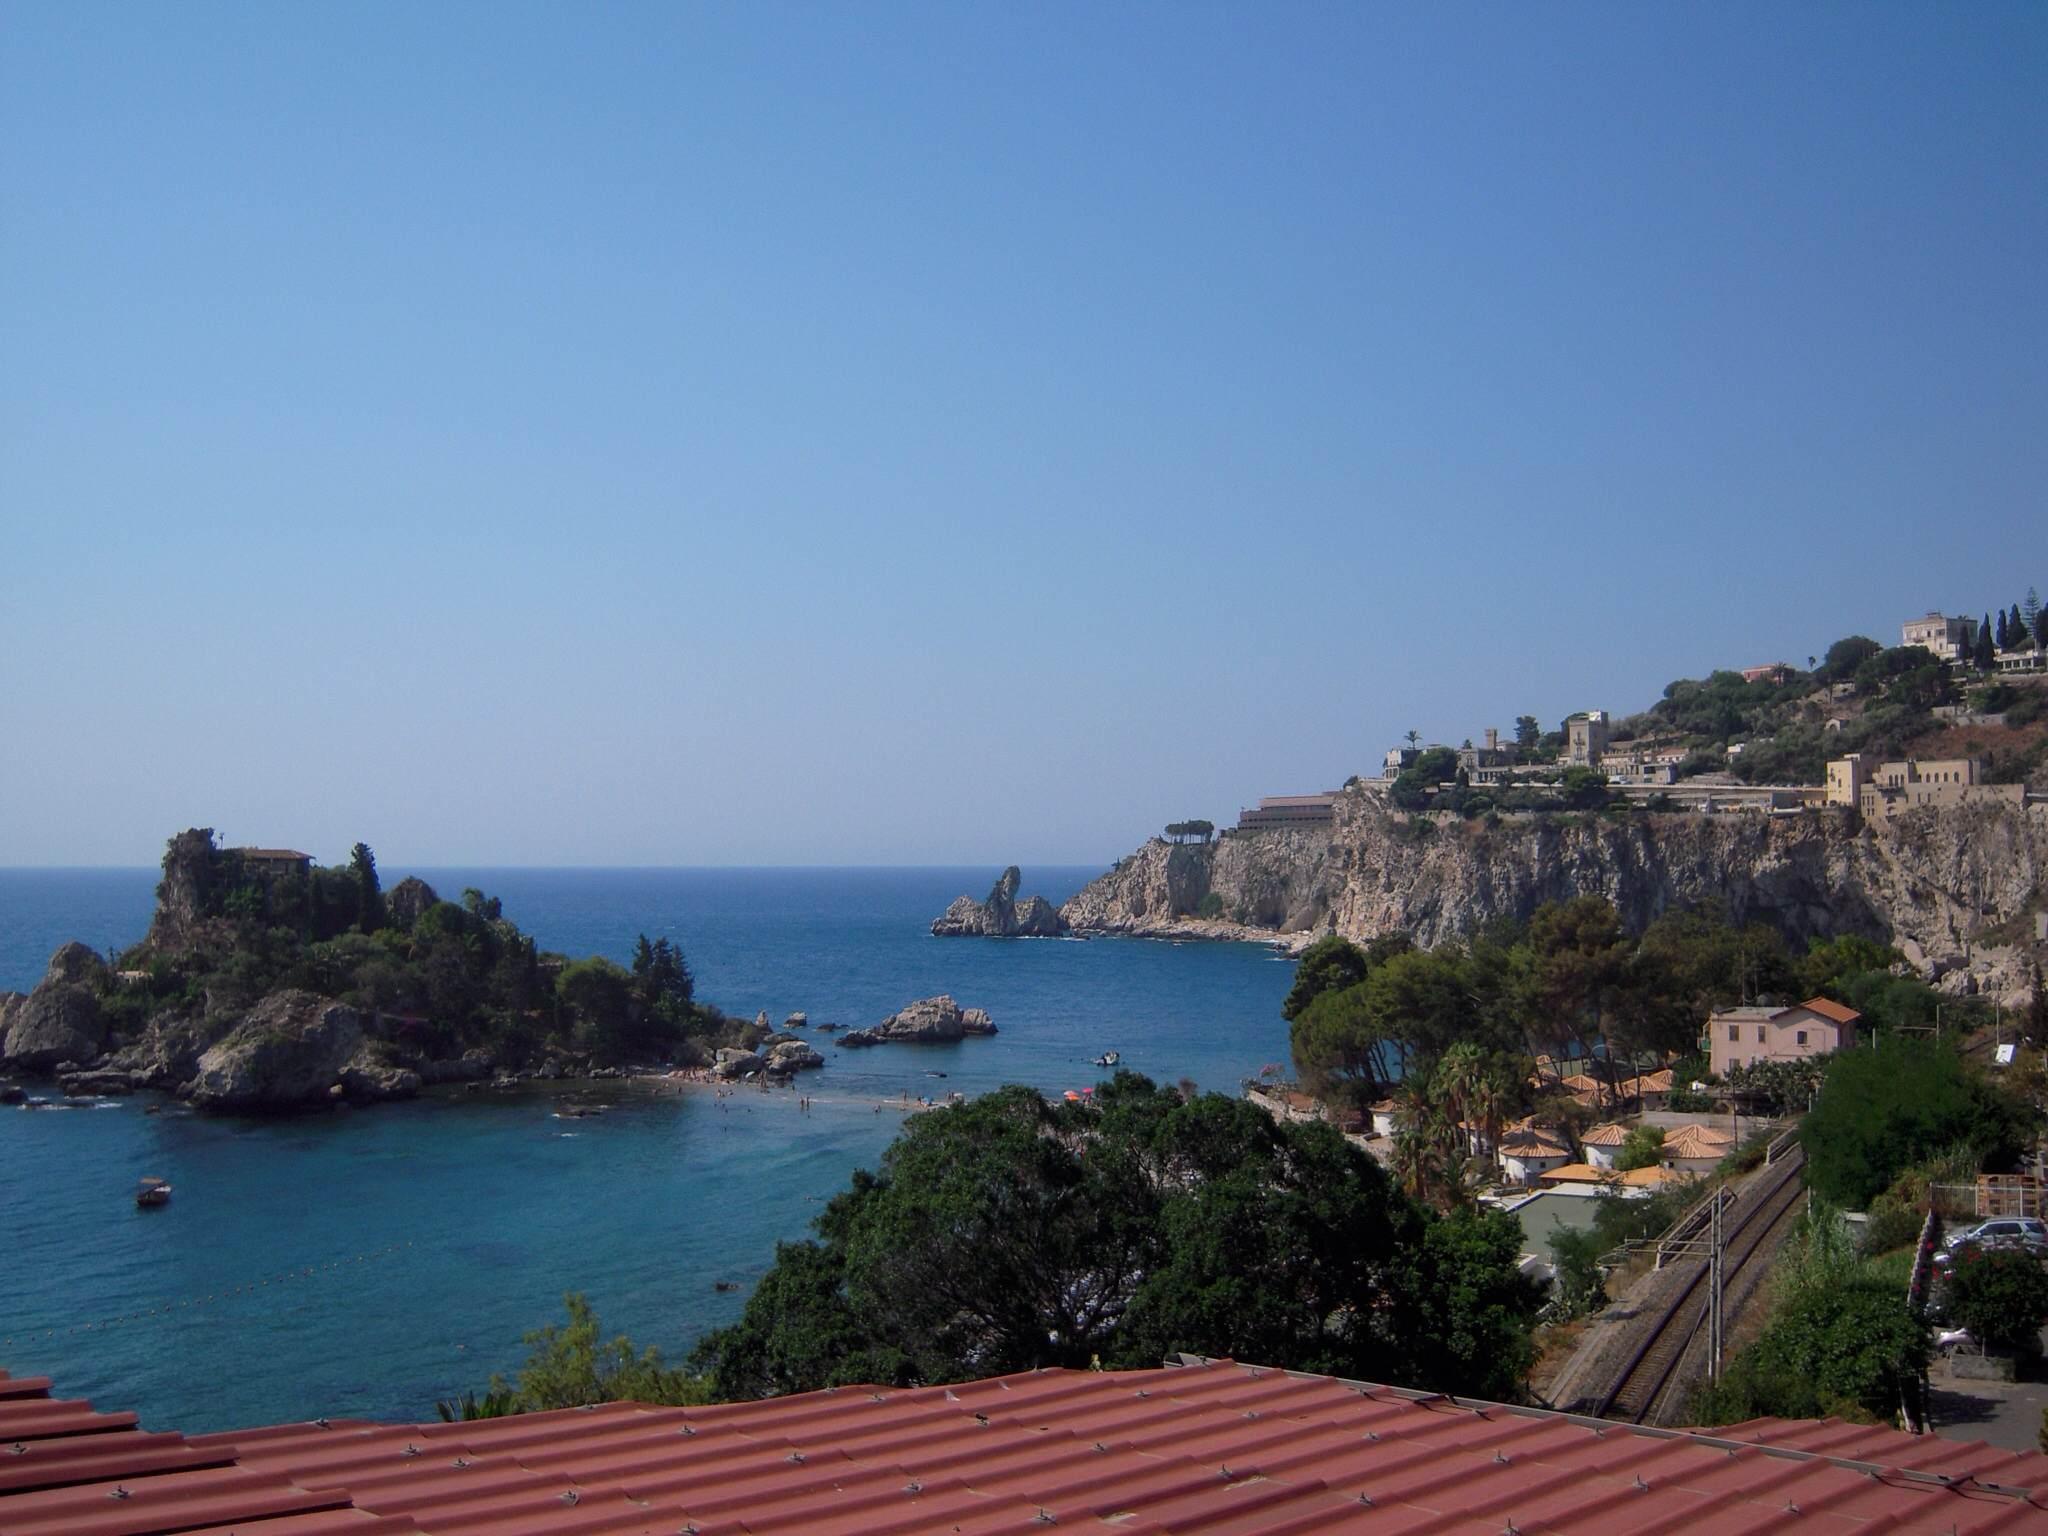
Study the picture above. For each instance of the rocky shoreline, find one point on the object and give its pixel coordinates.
(295, 1051)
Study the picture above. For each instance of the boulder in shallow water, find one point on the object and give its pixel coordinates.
(928, 1021)
(58, 1022)
(287, 1054)
(734, 1062)
(793, 1056)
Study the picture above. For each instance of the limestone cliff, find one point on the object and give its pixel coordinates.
(1927, 879)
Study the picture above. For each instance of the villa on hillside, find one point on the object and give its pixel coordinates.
(1881, 790)
(1740, 1037)
(271, 863)
(1949, 638)
(1283, 811)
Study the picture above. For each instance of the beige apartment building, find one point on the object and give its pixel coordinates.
(1886, 789)
(1739, 1037)
(1586, 738)
(1948, 638)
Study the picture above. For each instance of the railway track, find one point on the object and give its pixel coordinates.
(1751, 1224)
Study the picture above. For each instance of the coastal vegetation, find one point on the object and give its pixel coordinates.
(1574, 984)
(1842, 1338)
(1010, 1233)
(1907, 1099)
(572, 1365)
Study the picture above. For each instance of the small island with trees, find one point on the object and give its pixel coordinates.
(267, 982)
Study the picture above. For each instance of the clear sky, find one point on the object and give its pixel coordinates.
(777, 433)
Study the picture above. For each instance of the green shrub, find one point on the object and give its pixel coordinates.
(2001, 1296)
(1210, 906)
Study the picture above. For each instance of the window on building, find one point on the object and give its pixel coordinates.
(1759, 1034)
(1734, 1033)
(1802, 1037)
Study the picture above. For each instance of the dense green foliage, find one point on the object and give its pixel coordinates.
(1617, 1220)
(1573, 984)
(2000, 1295)
(573, 1366)
(1885, 1108)
(1841, 1340)
(434, 978)
(1010, 1232)
(1643, 1147)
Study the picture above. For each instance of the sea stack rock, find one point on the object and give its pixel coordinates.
(928, 1021)
(60, 1021)
(289, 1051)
(1002, 916)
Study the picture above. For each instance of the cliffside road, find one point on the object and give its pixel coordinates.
(1654, 1347)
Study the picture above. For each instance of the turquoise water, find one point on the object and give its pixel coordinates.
(367, 1262)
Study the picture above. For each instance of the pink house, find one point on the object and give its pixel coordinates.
(1739, 1037)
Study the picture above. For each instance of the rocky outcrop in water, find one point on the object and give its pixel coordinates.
(929, 1021)
(289, 1052)
(1928, 880)
(60, 1021)
(788, 1056)
(1002, 916)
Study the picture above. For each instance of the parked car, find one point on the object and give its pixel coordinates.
(2028, 1228)
(2005, 1234)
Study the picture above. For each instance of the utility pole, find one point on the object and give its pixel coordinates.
(1714, 1333)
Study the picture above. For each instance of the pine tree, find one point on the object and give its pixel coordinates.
(1984, 653)
(369, 895)
(2030, 610)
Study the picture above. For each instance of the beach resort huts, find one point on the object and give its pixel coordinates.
(1696, 1149)
(1527, 1151)
(1602, 1145)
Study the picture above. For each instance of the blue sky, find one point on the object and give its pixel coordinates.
(902, 434)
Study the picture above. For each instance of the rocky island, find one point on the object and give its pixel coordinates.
(1002, 916)
(929, 1021)
(268, 984)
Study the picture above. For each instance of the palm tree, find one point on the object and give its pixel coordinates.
(1413, 737)
(1455, 1083)
(1491, 1101)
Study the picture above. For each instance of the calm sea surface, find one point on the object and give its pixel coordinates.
(366, 1262)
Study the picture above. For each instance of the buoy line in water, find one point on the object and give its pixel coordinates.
(310, 1272)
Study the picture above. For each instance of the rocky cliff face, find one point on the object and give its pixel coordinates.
(1927, 880)
(291, 1050)
(1002, 916)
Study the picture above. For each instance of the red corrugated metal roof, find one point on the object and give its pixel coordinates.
(1208, 1447)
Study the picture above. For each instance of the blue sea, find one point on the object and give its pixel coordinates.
(369, 1262)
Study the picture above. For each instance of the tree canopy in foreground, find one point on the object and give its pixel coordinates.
(1010, 1233)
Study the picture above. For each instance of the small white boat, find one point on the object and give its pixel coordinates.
(1109, 1058)
(151, 1192)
